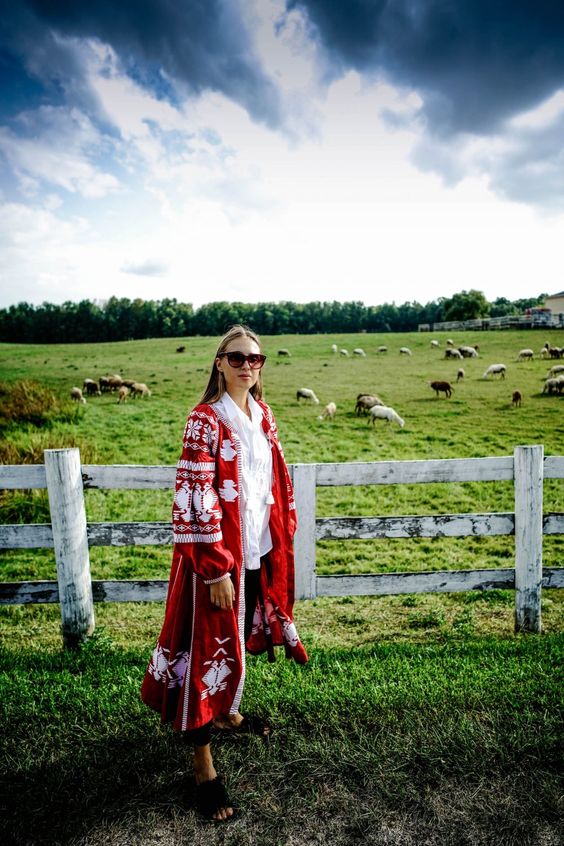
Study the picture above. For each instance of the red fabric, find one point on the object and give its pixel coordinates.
(197, 669)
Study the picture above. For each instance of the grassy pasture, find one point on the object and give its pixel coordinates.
(420, 719)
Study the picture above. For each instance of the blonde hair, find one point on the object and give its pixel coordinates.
(216, 384)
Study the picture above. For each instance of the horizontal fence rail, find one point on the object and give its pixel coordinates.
(71, 536)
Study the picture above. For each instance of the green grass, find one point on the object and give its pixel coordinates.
(420, 719)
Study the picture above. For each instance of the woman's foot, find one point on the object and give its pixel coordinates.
(213, 801)
(243, 724)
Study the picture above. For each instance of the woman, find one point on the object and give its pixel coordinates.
(232, 576)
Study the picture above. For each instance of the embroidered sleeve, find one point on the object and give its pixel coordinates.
(196, 511)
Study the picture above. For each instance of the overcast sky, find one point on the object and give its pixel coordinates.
(376, 150)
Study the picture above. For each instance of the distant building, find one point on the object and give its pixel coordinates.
(555, 303)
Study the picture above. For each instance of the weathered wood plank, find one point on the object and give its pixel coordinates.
(24, 593)
(130, 590)
(528, 537)
(440, 525)
(130, 534)
(554, 467)
(128, 476)
(553, 577)
(412, 472)
(553, 523)
(13, 476)
(70, 539)
(304, 539)
(26, 536)
(385, 584)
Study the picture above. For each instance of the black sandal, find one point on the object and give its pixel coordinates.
(250, 724)
(211, 796)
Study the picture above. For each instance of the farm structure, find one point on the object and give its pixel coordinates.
(70, 535)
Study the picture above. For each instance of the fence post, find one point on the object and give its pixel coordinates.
(304, 539)
(68, 521)
(528, 464)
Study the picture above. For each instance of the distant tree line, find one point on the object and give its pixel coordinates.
(120, 319)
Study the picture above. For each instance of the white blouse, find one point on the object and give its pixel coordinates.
(255, 484)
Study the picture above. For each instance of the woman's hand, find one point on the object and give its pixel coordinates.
(222, 594)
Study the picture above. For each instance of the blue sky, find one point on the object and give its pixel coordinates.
(267, 150)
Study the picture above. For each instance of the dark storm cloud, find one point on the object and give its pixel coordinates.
(475, 62)
(199, 44)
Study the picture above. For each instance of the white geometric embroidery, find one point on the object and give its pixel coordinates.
(176, 671)
(182, 499)
(290, 633)
(158, 663)
(218, 671)
(226, 451)
(204, 500)
(228, 491)
(171, 672)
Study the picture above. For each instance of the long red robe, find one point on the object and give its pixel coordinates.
(197, 670)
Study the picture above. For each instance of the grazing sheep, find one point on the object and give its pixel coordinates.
(525, 355)
(435, 344)
(495, 370)
(468, 352)
(285, 352)
(140, 389)
(444, 387)
(556, 368)
(76, 395)
(382, 349)
(364, 402)
(306, 393)
(359, 351)
(123, 393)
(343, 352)
(384, 412)
(554, 386)
(451, 353)
(104, 382)
(556, 352)
(180, 349)
(129, 383)
(115, 382)
(333, 348)
(516, 399)
(90, 388)
(450, 342)
(405, 351)
(329, 411)
(460, 374)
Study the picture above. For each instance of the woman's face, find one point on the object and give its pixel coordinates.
(238, 379)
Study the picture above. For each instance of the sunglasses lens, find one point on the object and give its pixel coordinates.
(256, 361)
(235, 359)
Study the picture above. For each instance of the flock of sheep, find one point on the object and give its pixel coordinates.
(377, 410)
(110, 384)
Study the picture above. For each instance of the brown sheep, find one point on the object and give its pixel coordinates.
(460, 375)
(516, 400)
(364, 402)
(90, 388)
(123, 394)
(444, 387)
(139, 389)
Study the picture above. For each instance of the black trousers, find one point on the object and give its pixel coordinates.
(202, 735)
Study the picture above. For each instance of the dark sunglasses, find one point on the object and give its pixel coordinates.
(237, 359)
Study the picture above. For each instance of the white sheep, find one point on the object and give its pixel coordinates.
(460, 375)
(139, 389)
(329, 411)
(495, 370)
(382, 349)
(384, 412)
(554, 386)
(76, 395)
(435, 344)
(285, 352)
(405, 351)
(450, 342)
(451, 353)
(123, 393)
(525, 355)
(334, 348)
(557, 368)
(343, 352)
(359, 351)
(306, 393)
(468, 352)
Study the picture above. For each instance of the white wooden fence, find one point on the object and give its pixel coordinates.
(70, 535)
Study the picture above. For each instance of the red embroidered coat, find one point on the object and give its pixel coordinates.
(197, 670)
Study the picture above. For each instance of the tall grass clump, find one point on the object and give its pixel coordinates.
(29, 402)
